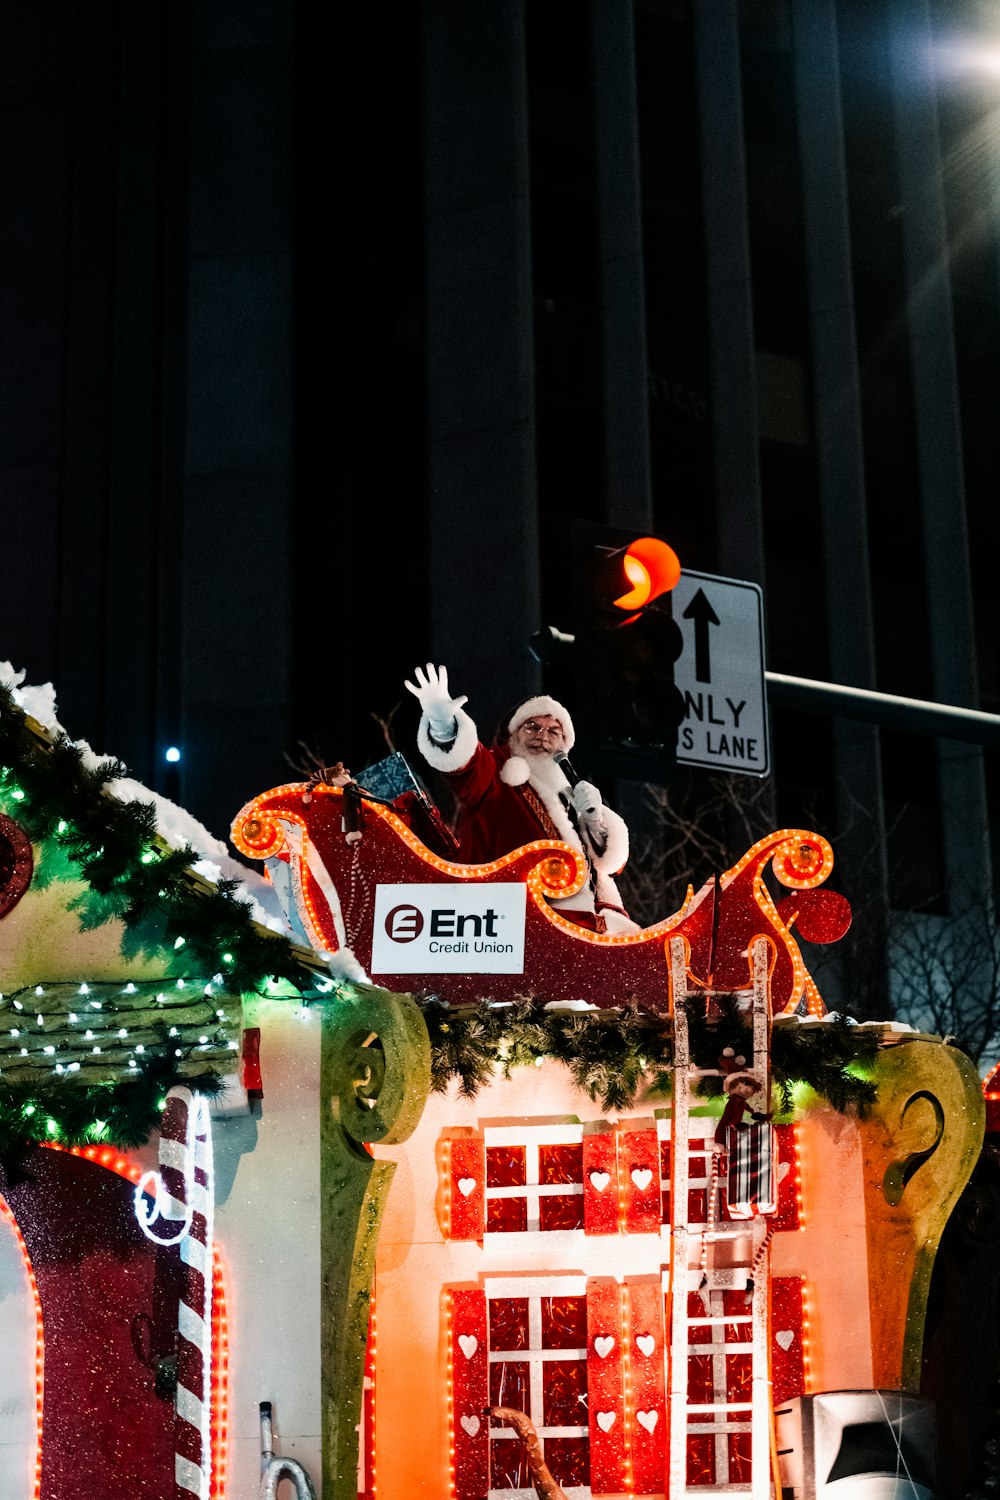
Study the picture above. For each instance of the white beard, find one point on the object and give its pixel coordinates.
(548, 779)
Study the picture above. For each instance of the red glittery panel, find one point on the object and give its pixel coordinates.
(644, 1299)
(665, 1182)
(16, 863)
(508, 1464)
(465, 1169)
(109, 1308)
(569, 1460)
(787, 1354)
(739, 1382)
(787, 1175)
(560, 1164)
(740, 1457)
(564, 1322)
(510, 1383)
(600, 1182)
(470, 1391)
(701, 1383)
(564, 1393)
(505, 1166)
(698, 1333)
(561, 1211)
(606, 1386)
(508, 1323)
(639, 1178)
(701, 1459)
(506, 1215)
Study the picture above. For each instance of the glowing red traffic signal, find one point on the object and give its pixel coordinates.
(652, 568)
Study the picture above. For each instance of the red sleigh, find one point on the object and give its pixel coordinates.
(328, 880)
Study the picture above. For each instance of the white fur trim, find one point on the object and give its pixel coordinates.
(515, 771)
(548, 790)
(453, 757)
(543, 704)
(616, 850)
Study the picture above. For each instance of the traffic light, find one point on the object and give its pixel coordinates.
(626, 705)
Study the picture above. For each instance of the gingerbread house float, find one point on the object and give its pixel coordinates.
(481, 1203)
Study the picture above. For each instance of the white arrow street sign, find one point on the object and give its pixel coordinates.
(720, 672)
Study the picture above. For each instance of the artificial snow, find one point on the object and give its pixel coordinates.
(175, 826)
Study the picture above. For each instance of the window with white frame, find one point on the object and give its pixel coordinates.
(534, 1178)
(537, 1330)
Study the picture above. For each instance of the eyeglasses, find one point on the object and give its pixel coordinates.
(533, 727)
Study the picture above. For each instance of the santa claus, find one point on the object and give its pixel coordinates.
(517, 790)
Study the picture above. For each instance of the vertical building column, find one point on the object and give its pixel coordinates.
(939, 449)
(624, 373)
(739, 523)
(235, 680)
(841, 475)
(480, 357)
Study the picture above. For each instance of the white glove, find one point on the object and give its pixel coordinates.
(586, 799)
(439, 707)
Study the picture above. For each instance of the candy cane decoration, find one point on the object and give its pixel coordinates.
(183, 1194)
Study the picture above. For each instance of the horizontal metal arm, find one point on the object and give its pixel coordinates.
(916, 715)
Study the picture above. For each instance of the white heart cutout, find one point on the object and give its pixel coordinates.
(604, 1344)
(645, 1343)
(784, 1338)
(784, 1167)
(605, 1420)
(466, 1185)
(647, 1419)
(471, 1425)
(599, 1181)
(468, 1343)
(642, 1177)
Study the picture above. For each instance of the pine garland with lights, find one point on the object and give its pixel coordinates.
(615, 1054)
(55, 796)
(44, 1110)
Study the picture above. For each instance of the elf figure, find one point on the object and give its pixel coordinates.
(739, 1086)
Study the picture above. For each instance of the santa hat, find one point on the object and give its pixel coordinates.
(734, 1071)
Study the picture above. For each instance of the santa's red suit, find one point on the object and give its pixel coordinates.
(508, 800)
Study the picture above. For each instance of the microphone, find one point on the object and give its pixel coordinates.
(563, 762)
(574, 778)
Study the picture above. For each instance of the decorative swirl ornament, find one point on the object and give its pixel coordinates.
(898, 1173)
(803, 861)
(16, 863)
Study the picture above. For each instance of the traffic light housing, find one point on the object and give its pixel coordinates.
(626, 706)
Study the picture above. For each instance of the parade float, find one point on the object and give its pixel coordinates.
(479, 1202)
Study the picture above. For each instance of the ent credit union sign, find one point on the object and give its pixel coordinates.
(720, 673)
(449, 929)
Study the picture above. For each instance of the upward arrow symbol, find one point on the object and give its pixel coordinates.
(703, 615)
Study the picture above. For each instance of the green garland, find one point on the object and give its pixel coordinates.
(614, 1054)
(55, 796)
(47, 1111)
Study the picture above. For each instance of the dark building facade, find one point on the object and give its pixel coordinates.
(324, 324)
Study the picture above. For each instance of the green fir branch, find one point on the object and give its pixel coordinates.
(54, 796)
(616, 1054)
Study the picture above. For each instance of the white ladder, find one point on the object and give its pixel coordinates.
(715, 1420)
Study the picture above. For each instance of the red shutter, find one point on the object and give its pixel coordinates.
(644, 1302)
(787, 1353)
(470, 1377)
(605, 1386)
(464, 1169)
(600, 1183)
(788, 1216)
(639, 1177)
